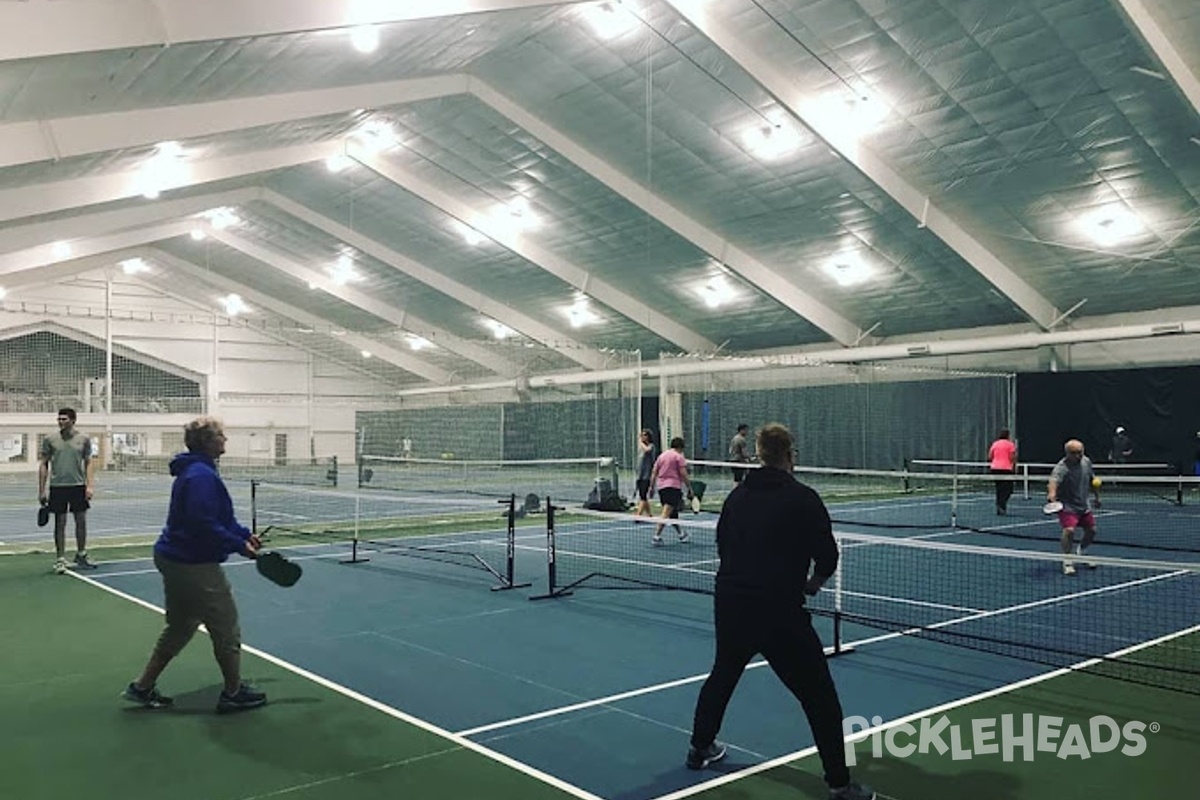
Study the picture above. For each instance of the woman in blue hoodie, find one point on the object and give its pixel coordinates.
(201, 532)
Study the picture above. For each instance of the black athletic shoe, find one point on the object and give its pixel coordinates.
(246, 697)
(701, 757)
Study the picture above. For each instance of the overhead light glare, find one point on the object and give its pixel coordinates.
(197, 234)
(846, 120)
(164, 170)
(772, 141)
(469, 234)
(221, 218)
(339, 162)
(418, 343)
(499, 330)
(716, 292)
(848, 269)
(610, 20)
(365, 38)
(234, 305)
(366, 353)
(1111, 225)
(376, 135)
(61, 249)
(343, 271)
(132, 266)
(3, 292)
(580, 314)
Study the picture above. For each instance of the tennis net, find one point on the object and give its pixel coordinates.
(317, 471)
(1137, 512)
(573, 478)
(1135, 620)
(354, 526)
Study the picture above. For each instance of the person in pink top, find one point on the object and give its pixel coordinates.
(670, 475)
(1002, 459)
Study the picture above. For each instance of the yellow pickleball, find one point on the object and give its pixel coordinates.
(1095, 483)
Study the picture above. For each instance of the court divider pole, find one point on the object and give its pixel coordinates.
(552, 589)
(507, 581)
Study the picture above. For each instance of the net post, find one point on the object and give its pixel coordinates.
(510, 558)
(838, 648)
(552, 589)
(254, 507)
(354, 557)
(332, 474)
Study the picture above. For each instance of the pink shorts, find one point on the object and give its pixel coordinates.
(1069, 519)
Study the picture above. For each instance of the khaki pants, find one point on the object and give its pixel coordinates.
(196, 594)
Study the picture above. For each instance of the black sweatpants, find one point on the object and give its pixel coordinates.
(1004, 489)
(786, 639)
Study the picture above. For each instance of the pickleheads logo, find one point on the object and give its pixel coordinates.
(1027, 735)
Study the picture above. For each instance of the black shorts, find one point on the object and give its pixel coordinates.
(673, 497)
(643, 488)
(738, 474)
(68, 498)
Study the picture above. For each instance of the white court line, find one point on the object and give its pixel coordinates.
(759, 663)
(429, 727)
(940, 709)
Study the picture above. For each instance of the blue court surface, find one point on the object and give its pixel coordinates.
(597, 688)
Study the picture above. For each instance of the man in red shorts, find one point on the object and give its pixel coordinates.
(1071, 483)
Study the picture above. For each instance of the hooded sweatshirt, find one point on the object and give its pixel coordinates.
(771, 530)
(200, 525)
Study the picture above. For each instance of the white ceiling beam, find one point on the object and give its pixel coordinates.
(358, 341)
(32, 30)
(504, 314)
(38, 242)
(766, 278)
(779, 83)
(54, 139)
(362, 300)
(402, 319)
(68, 229)
(617, 300)
(1164, 49)
(35, 258)
(55, 273)
(49, 198)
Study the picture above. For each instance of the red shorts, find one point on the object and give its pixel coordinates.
(1069, 519)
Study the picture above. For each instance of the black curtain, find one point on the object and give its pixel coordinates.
(1159, 408)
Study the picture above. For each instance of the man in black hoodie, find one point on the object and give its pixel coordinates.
(771, 531)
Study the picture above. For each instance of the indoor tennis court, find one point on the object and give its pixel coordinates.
(445, 282)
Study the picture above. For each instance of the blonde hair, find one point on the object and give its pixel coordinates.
(201, 432)
(774, 444)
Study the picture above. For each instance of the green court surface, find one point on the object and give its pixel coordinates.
(70, 647)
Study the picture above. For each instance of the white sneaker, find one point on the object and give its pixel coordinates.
(657, 540)
(60, 566)
(684, 537)
(1068, 568)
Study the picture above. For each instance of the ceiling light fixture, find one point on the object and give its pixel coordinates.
(580, 313)
(848, 269)
(61, 250)
(610, 19)
(339, 163)
(234, 305)
(343, 271)
(771, 141)
(197, 234)
(163, 170)
(1111, 225)
(717, 292)
(499, 330)
(366, 353)
(418, 343)
(365, 38)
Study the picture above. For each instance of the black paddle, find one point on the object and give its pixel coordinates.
(275, 567)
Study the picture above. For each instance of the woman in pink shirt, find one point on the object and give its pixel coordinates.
(1002, 458)
(670, 475)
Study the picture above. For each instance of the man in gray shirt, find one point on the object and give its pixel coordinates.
(1071, 483)
(738, 453)
(68, 466)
